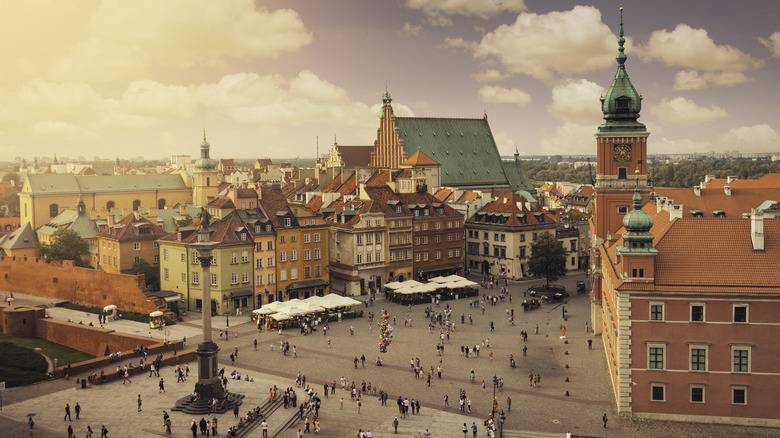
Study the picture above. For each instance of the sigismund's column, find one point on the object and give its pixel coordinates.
(209, 385)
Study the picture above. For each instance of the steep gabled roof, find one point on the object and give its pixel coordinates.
(419, 158)
(131, 229)
(21, 238)
(355, 156)
(511, 210)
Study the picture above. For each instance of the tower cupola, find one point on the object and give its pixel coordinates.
(205, 163)
(637, 224)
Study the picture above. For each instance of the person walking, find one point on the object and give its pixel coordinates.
(474, 429)
(103, 431)
(446, 400)
(604, 419)
(465, 430)
(67, 412)
(139, 402)
(525, 350)
(509, 404)
(162, 385)
(77, 408)
(395, 425)
(89, 432)
(255, 344)
(194, 429)
(264, 427)
(31, 423)
(70, 431)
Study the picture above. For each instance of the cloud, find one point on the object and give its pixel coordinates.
(773, 44)
(436, 11)
(410, 30)
(568, 139)
(663, 145)
(577, 101)
(545, 45)
(694, 50)
(490, 75)
(495, 94)
(756, 138)
(50, 128)
(130, 40)
(685, 112)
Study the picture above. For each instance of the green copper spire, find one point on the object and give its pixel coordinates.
(637, 224)
(622, 103)
(386, 96)
(205, 163)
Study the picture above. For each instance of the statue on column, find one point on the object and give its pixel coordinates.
(205, 219)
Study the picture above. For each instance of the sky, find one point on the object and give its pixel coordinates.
(277, 78)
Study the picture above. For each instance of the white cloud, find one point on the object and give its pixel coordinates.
(663, 145)
(694, 50)
(496, 94)
(756, 138)
(130, 39)
(568, 139)
(773, 44)
(490, 75)
(685, 112)
(577, 101)
(50, 128)
(437, 11)
(545, 45)
(410, 30)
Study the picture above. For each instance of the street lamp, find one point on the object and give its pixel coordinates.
(502, 418)
(225, 301)
(495, 400)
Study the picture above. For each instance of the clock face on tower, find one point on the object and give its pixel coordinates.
(622, 153)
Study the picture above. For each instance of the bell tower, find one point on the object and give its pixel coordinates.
(621, 143)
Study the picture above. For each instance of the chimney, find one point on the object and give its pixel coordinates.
(731, 178)
(757, 229)
(697, 190)
(110, 219)
(727, 190)
(136, 216)
(708, 178)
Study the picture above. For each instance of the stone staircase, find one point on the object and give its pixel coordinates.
(200, 406)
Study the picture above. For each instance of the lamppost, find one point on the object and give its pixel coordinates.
(502, 418)
(465, 244)
(495, 400)
(226, 301)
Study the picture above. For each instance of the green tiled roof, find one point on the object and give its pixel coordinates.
(166, 218)
(21, 238)
(465, 148)
(78, 184)
(71, 220)
(517, 177)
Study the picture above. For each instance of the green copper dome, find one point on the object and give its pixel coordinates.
(205, 163)
(386, 96)
(637, 224)
(622, 103)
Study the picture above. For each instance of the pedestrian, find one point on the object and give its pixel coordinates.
(31, 423)
(604, 419)
(491, 326)
(70, 431)
(468, 402)
(139, 402)
(89, 432)
(395, 424)
(194, 429)
(359, 404)
(525, 350)
(264, 426)
(232, 359)
(474, 429)
(446, 400)
(235, 411)
(162, 385)
(341, 403)
(77, 408)
(255, 344)
(67, 412)
(509, 404)
(590, 344)
(103, 432)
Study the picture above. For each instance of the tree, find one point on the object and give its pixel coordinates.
(67, 245)
(11, 203)
(548, 258)
(11, 176)
(151, 274)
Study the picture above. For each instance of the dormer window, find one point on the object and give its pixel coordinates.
(287, 222)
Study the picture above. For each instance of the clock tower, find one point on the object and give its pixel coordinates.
(621, 143)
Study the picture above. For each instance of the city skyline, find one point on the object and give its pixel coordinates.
(273, 79)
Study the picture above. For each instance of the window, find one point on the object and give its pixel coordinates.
(368, 238)
(437, 255)
(307, 254)
(658, 392)
(316, 254)
(457, 252)
(306, 238)
(425, 240)
(156, 259)
(359, 258)
(214, 260)
(271, 279)
(316, 237)
(259, 279)
(306, 272)
(233, 257)
(739, 395)
(503, 237)
(294, 274)
(368, 258)
(156, 245)
(697, 393)
(183, 277)
(425, 256)
(437, 226)
(259, 263)
(622, 172)
(269, 245)
(243, 236)
(194, 258)
(244, 256)
(136, 259)
(697, 312)
(54, 210)
(655, 356)
(338, 257)
(245, 277)
(194, 278)
(425, 225)
(449, 237)
(293, 238)
(656, 311)
(378, 238)
(522, 252)
(417, 257)
(622, 209)
(317, 271)
(416, 240)
(698, 358)
(136, 246)
(283, 275)
(165, 273)
(409, 255)
(378, 256)
(282, 239)
(287, 222)
(283, 256)
(234, 278)
(437, 238)
(359, 239)
(293, 255)
(392, 256)
(115, 264)
(165, 254)
(740, 359)
(368, 222)
(213, 279)
(740, 313)
(638, 273)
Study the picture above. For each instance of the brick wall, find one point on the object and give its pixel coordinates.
(62, 280)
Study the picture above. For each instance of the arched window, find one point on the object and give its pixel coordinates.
(161, 204)
(208, 181)
(136, 204)
(54, 210)
(109, 205)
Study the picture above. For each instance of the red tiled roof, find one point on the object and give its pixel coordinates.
(222, 203)
(741, 199)
(768, 181)
(315, 203)
(128, 229)
(511, 205)
(419, 158)
(356, 156)
(443, 194)
(380, 178)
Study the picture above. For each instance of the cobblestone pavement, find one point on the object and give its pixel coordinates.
(541, 411)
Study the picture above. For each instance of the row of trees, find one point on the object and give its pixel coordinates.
(685, 173)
